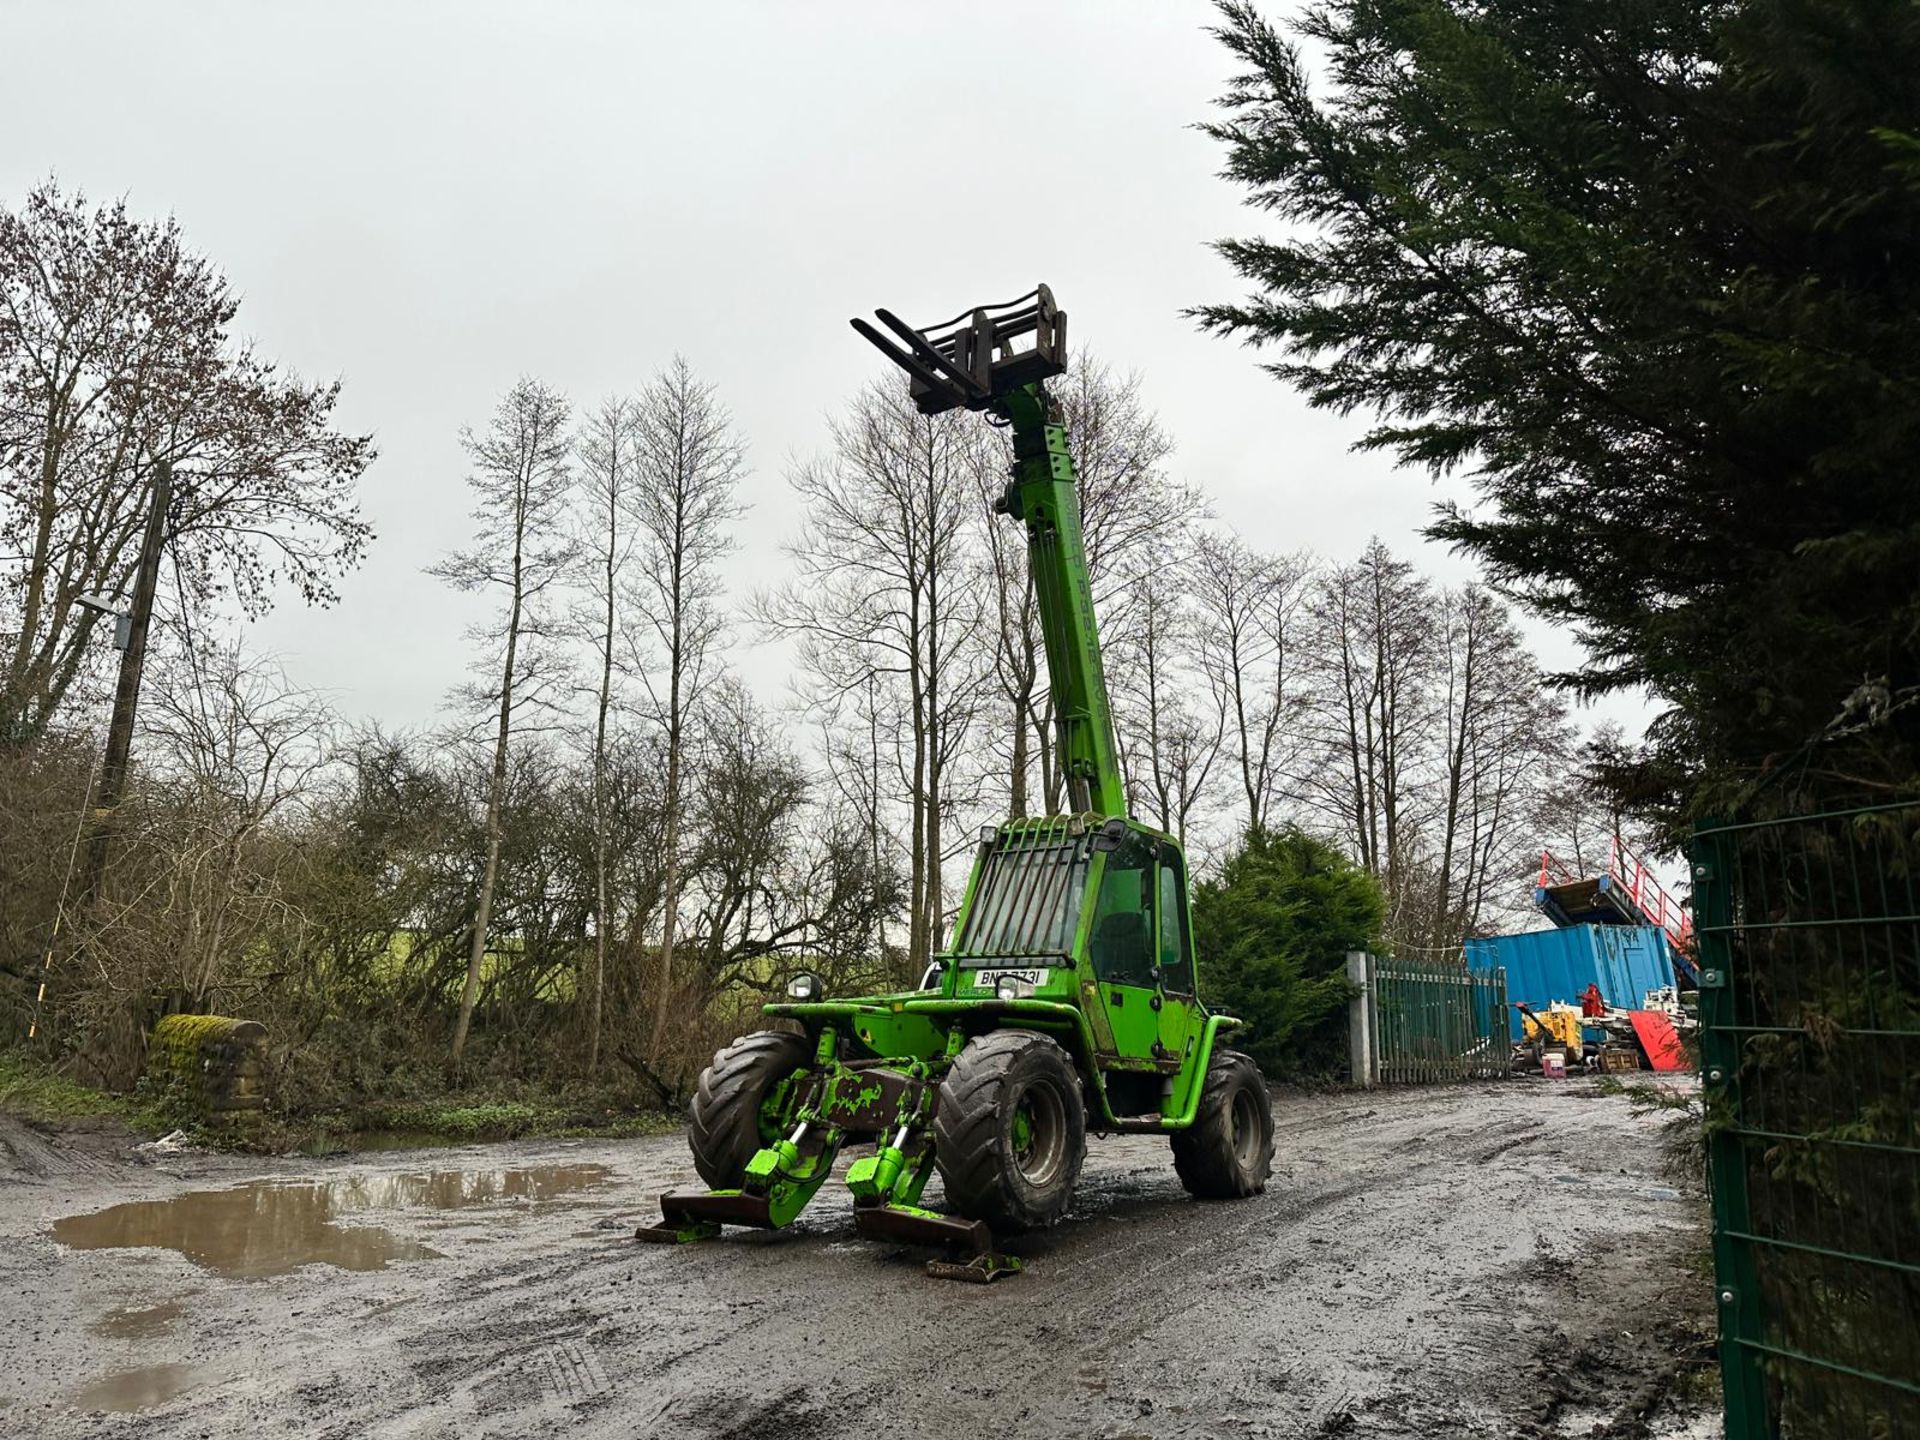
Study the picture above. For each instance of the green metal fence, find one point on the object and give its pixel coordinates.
(1809, 934)
(1437, 1022)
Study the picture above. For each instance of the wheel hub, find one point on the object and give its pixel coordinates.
(1038, 1134)
(1246, 1129)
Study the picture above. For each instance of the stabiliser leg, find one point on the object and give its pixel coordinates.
(689, 1215)
(779, 1182)
(886, 1187)
(782, 1178)
(909, 1224)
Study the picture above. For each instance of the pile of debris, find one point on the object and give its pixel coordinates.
(1596, 1036)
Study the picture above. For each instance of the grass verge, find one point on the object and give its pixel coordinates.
(461, 1119)
(40, 1095)
(37, 1093)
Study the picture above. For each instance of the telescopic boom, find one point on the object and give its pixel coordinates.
(984, 360)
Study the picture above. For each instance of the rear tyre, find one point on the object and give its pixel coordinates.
(1010, 1131)
(1227, 1153)
(732, 1114)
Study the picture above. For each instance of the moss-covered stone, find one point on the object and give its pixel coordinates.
(211, 1067)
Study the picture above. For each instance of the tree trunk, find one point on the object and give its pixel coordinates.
(1017, 790)
(496, 791)
(676, 734)
(1456, 776)
(1244, 734)
(483, 911)
(669, 879)
(936, 737)
(601, 917)
(917, 945)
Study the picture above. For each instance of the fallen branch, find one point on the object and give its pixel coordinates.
(671, 1097)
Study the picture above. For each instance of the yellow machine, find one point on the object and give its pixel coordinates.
(1560, 1027)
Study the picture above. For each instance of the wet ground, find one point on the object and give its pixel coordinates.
(1492, 1261)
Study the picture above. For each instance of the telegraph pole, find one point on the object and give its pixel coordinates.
(126, 696)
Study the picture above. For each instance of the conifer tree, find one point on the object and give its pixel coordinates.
(1650, 272)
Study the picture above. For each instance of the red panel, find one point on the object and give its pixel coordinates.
(1663, 1047)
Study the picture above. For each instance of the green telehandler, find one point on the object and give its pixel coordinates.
(1068, 999)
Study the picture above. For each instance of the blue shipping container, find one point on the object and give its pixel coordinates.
(1625, 961)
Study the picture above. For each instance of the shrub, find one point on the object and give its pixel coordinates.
(1273, 930)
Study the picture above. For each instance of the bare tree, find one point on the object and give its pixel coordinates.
(1501, 734)
(1018, 672)
(522, 476)
(1170, 723)
(776, 875)
(606, 452)
(1574, 814)
(1375, 622)
(856, 752)
(116, 354)
(887, 604)
(1251, 615)
(234, 748)
(689, 460)
(1128, 504)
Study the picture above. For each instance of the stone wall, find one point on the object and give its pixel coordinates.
(209, 1066)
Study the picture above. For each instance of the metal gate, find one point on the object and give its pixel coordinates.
(1809, 934)
(1433, 1022)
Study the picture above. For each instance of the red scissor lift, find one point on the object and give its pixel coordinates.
(1626, 893)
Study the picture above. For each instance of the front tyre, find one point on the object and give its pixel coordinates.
(1010, 1131)
(733, 1111)
(1227, 1153)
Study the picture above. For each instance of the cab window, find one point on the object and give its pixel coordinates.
(1122, 943)
(1176, 952)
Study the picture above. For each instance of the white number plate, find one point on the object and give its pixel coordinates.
(990, 979)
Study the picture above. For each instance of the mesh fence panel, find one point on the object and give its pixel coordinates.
(1809, 934)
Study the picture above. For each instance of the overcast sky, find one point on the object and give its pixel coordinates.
(431, 200)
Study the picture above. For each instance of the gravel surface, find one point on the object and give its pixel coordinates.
(1502, 1260)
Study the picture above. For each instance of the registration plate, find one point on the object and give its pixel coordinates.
(990, 979)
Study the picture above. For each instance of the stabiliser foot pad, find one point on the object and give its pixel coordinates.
(983, 1269)
(665, 1232)
(913, 1226)
(699, 1214)
(922, 1227)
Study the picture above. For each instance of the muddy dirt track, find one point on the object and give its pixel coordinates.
(1498, 1260)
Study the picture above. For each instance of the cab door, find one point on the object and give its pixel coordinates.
(1174, 941)
(1123, 950)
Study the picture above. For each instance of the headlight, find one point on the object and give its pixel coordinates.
(1008, 988)
(804, 987)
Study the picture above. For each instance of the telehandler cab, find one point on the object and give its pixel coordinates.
(1068, 999)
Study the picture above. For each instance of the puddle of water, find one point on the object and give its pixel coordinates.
(270, 1228)
(129, 1390)
(141, 1324)
(458, 1189)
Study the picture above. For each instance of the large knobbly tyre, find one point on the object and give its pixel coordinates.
(1227, 1153)
(724, 1122)
(1010, 1130)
